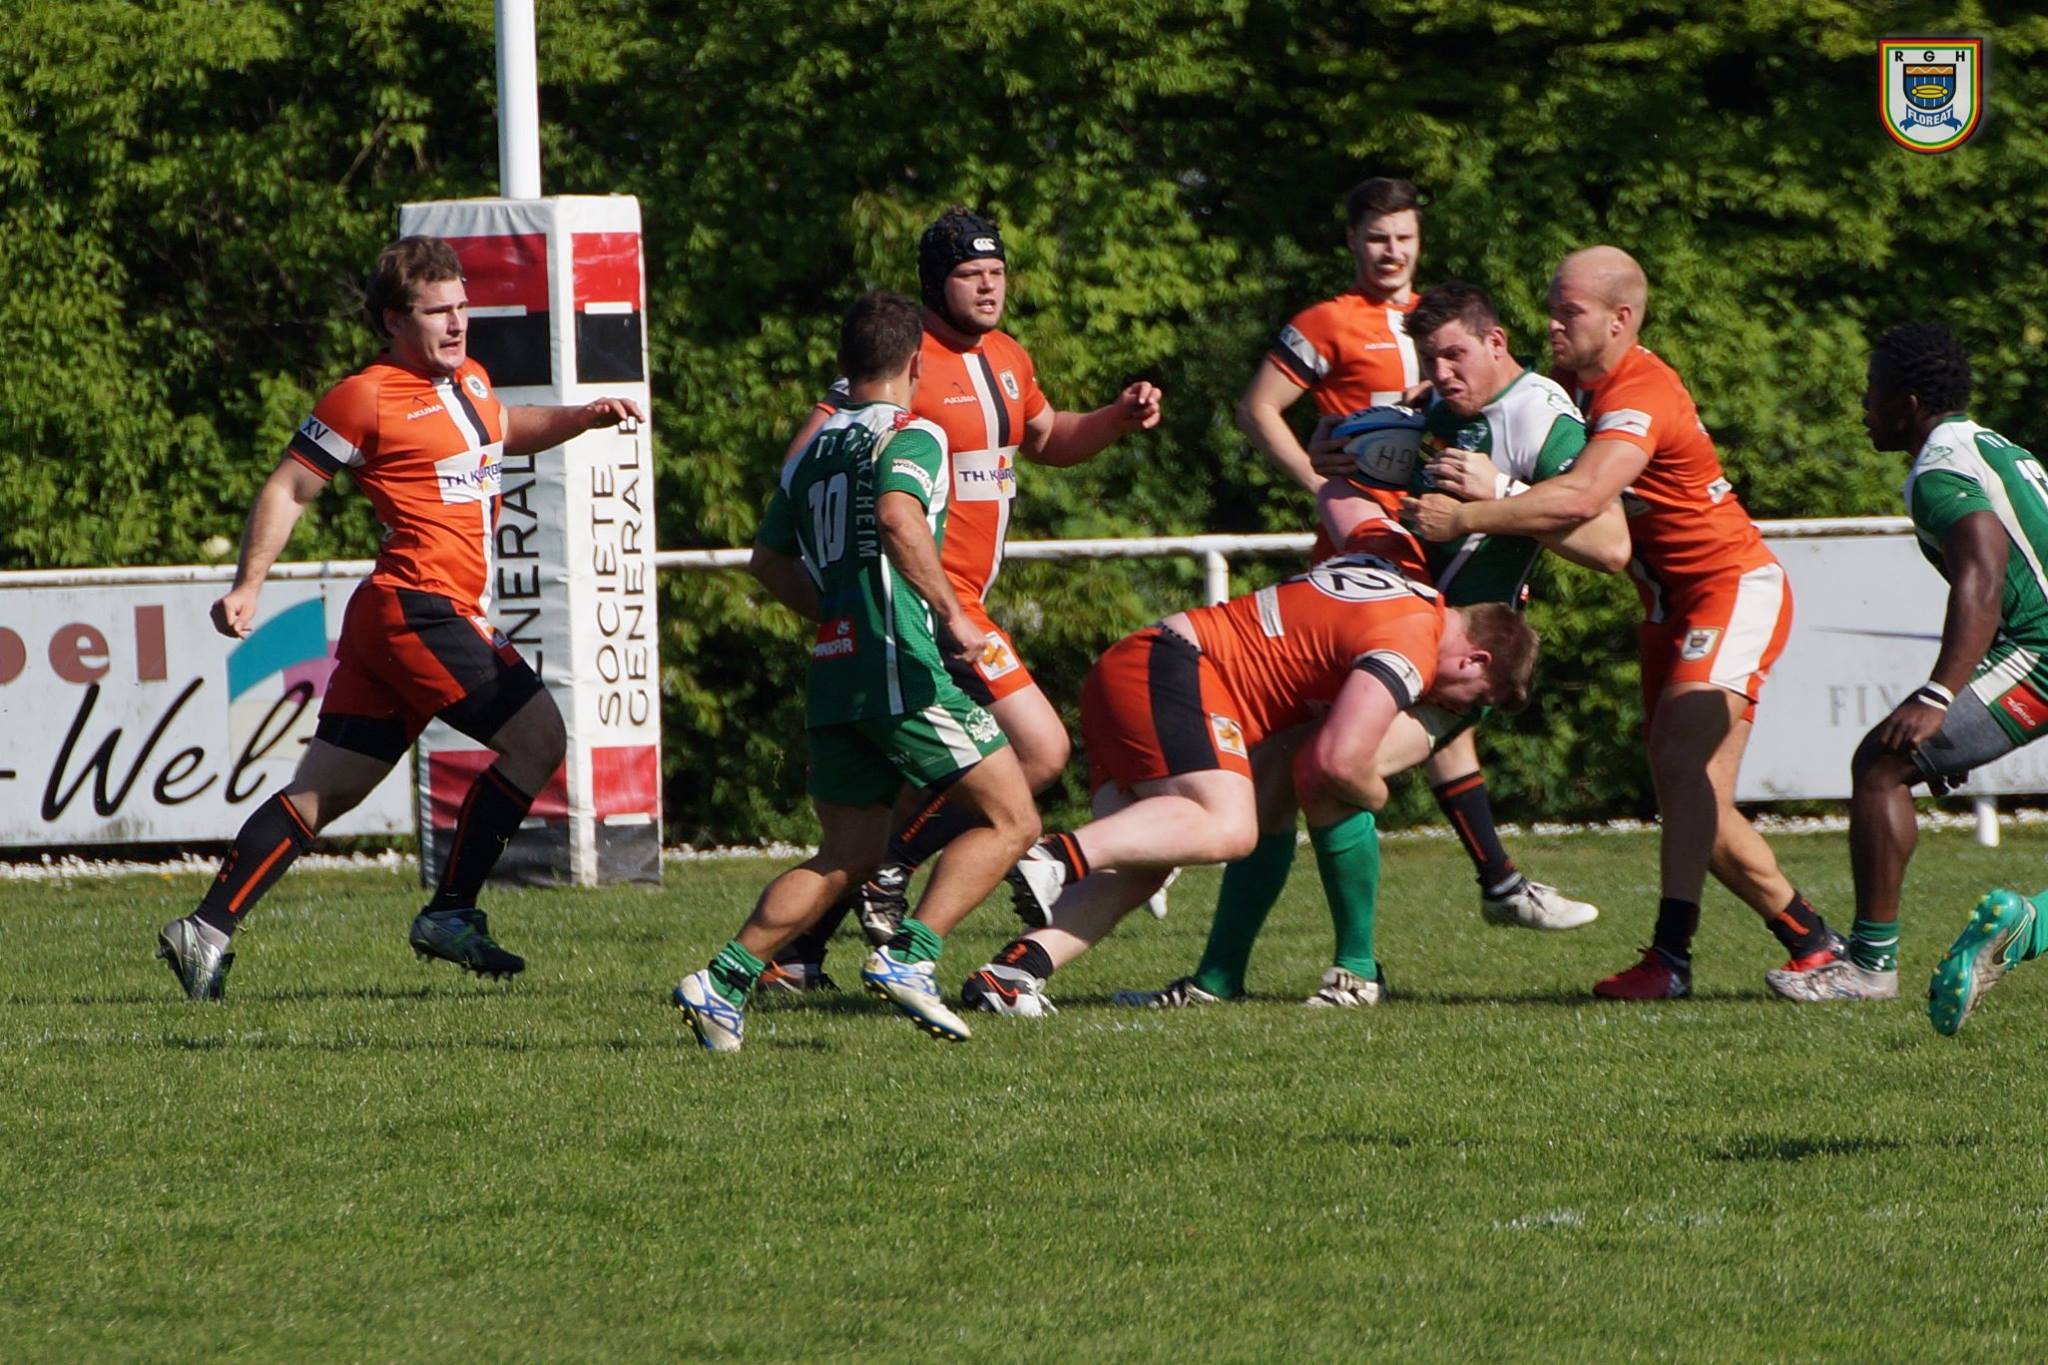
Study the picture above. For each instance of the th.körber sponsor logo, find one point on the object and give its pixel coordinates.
(1930, 91)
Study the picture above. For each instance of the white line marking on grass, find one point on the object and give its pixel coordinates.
(1552, 1218)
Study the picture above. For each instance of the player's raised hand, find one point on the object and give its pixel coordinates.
(1464, 474)
(611, 412)
(1137, 407)
(1431, 516)
(234, 615)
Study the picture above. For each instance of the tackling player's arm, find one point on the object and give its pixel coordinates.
(1261, 416)
(279, 503)
(1974, 553)
(907, 541)
(1601, 542)
(1555, 505)
(531, 430)
(1340, 761)
(1060, 439)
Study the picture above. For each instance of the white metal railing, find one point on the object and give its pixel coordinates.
(1215, 552)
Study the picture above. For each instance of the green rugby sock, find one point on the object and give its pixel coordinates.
(734, 971)
(1348, 857)
(1250, 887)
(915, 942)
(1873, 946)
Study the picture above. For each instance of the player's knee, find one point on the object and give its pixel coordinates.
(540, 741)
(1016, 822)
(1235, 840)
(1045, 757)
(1876, 770)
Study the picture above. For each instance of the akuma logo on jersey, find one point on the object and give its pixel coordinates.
(1930, 91)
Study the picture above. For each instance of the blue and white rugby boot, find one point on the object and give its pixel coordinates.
(913, 988)
(719, 1024)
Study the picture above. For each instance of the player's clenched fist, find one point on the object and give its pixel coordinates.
(235, 614)
(1138, 406)
(1431, 516)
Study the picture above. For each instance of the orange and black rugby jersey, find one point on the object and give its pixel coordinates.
(428, 452)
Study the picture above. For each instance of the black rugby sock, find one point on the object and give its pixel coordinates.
(270, 840)
(490, 817)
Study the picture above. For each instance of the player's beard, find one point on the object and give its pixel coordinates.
(971, 326)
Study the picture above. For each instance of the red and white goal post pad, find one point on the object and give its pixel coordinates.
(557, 291)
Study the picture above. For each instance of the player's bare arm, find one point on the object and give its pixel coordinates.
(1061, 439)
(529, 430)
(279, 503)
(1261, 416)
(1975, 551)
(1556, 504)
(907, 541)
(1340, 762)
(1600, 543)
(787, 581)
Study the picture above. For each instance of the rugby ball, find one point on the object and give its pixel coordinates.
(1382, 442)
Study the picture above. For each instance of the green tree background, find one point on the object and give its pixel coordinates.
(189, 190)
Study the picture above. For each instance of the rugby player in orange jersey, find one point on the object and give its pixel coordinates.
(1346, 353)
(980, 386)
(1173, 715)
(423, 434)
(1716, 607)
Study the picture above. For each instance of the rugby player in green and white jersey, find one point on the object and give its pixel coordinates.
(1497, 428)
(1979, 505)
(1491, 430)
(851, 540)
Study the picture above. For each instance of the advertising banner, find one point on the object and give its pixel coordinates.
(126, 719)
(1866, 626)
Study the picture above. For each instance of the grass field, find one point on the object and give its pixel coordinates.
(362, 1157)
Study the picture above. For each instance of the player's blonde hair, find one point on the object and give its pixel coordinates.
(1502, 632)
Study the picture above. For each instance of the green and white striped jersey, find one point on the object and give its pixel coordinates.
(874, 655)
(1531, 431)
(1965, 468)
